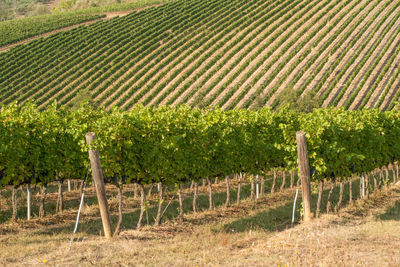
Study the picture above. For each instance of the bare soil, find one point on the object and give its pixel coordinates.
(365, 233)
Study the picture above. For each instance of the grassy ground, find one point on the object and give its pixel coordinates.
(365, 233)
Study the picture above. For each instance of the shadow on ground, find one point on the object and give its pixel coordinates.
(280, 218)
(392, 213)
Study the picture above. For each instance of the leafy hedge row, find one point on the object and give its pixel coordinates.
(179, 144)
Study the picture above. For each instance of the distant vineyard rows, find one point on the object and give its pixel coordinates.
(232, 54)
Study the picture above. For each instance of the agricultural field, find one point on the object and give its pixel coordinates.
(229, 133)
(257, 232)
(232, 54)
(172, 172)
(17, 31)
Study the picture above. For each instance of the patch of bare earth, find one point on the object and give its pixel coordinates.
(353, 237)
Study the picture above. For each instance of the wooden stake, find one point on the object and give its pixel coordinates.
(239, 188)
(180, 198)
(351, 189)
(99, 183)
(252, 188)
(28, 201)
(291, 179)
(273, 183)
(304, 168)
(60, 201)
(135, 191)
(160, 204)
(283, 180)
(41, 207)
(262, 187)
(117, 228)
(142, 206)
(210, 195)
(228, 192)
(195, 196)
(328, 203)
(14, 203)
(320, 192)
(339, 203)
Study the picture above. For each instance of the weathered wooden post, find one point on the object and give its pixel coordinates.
(99, 184)
(304, 168)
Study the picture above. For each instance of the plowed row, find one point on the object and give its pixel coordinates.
(234, 54)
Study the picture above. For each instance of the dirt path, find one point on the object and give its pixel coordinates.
(109, 15)
(43, 35)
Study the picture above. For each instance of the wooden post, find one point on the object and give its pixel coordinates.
(304, 168)
(99, 184)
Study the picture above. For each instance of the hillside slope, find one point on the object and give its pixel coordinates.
(235, 54)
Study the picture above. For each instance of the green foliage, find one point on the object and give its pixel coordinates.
(12, 31)
(306, 103)
(98, 6)
(179, 144)
(83, 98)
(213, 53)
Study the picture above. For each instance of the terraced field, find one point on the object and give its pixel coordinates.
(231, 53)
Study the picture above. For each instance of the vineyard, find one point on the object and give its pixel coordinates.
(173, 146)
(15, 30)
(232, 54)
(195, 137)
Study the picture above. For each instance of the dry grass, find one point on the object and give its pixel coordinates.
(366, 233)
